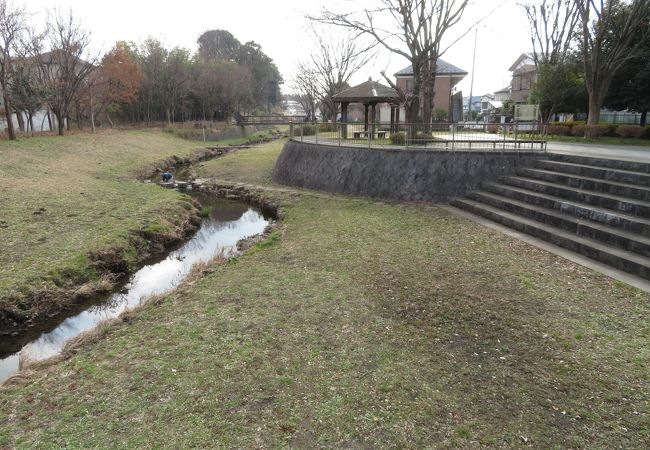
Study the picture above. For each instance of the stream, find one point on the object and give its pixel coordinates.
(229, 222)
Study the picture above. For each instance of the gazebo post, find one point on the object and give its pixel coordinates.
(365, 117)
(344, 119)
(397, 117)
(373, 114)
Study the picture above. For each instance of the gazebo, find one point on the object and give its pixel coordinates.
(369, 94)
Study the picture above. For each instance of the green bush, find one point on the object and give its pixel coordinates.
(307, 130)
(578, 130)
(559, 130)
(569, 123)
(326, 127)
(423, 137)
(630, 131)
(398, 138)
(589, 131)
(611, 130)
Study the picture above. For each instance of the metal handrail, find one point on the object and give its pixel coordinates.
(436, 136)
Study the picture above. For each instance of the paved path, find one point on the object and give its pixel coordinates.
(625, 152)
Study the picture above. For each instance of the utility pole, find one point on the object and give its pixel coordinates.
(471, 86)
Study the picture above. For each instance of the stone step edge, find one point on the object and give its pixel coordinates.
(567, 217)
(603, 168)
(598, 160)
(583, 205)
(622, 254)
(581, 177)
(581, 191)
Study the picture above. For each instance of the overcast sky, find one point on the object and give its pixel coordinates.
(280, 28)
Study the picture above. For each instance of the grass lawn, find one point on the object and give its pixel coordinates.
(65, 197)
(357, 324)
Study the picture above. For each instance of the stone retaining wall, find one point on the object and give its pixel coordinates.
(397, 174)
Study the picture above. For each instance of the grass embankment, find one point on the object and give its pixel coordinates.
(251, 166)
(71, 210)
(358, 324)
(219, 135)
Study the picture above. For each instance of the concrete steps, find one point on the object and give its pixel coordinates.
(595, 207)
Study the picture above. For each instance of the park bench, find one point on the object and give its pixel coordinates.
(365, 134)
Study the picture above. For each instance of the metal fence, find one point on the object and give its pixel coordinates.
(455, 136)
(619, 117)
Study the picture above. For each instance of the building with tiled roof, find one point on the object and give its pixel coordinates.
(446, 98)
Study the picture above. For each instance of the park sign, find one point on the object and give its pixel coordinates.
(526, 113)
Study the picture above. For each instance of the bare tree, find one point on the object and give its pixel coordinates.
(551, 28)
(552, 24)
(12, 26)
(26, 93)
(176, 76)
(304, 85)
(613, 32)
(330, 67)
(63, 66)
(418, 29)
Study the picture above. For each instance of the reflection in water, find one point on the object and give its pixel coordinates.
(216, 237)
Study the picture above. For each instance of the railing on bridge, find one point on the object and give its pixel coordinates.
(268, 119)
(456, 136)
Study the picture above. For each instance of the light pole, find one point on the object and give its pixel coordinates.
(471, 86)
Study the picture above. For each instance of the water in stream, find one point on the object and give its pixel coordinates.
(229, 222)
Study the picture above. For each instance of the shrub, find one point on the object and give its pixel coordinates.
(492, 128)
(307, 130)
(611, 130)
(326, 127)
(647, 132)
(398, 138)
(559, 130)
(578, 130)
(422, 137)
(570, 123)
(589, 131)
(630, 131)
(596, 131)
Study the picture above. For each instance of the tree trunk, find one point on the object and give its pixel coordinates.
(644, 115)
(49, 120)
(21, 120)
(109, 119)
(593, 118)
(60, 123)
(30, 118)
(11, 132)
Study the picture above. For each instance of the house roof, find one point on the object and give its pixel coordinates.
(505, 89)
(443, 68)
(528, 57)
(367, 92)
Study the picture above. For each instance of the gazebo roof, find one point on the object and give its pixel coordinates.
(367, 92)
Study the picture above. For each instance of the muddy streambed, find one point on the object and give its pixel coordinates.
(229, 222)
